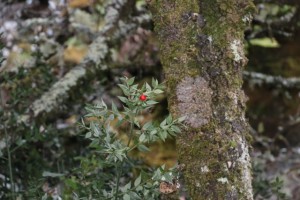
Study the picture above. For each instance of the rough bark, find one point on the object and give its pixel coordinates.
(202, 56)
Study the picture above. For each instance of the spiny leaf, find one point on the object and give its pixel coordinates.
(130, 81)
(123, 99)
(138, 181)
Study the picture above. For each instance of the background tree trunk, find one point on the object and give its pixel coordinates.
(202, 54)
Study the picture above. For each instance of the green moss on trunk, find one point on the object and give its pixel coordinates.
(202, 55)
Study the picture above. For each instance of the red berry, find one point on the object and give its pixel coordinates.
(143, 97)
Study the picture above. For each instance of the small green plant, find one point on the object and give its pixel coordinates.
(115, 174)
(266, 188)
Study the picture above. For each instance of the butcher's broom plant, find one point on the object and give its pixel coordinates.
(117, 175)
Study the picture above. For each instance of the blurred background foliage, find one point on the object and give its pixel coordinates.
(42, 41)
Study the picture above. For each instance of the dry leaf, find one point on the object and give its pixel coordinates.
(168, 188)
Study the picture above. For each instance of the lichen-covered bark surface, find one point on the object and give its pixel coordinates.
(202, 55)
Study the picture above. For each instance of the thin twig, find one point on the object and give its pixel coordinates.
(128, 143)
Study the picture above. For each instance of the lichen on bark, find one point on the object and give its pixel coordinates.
(203, 64)
(194, 100)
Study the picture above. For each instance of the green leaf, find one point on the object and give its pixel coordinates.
(88, 135)
(119, 156)
(82, 121)
(169, 119)
(153, 83)
(45, 196)
(124, 89)
(134, 195)
(105, 193)
(134, 87)
(168, 176)
(148, 87)
(163, 123)
(181, 119)
(153, 132)
(176, 129)
(89, 108)
(147, 125)
(124, 79)
(151, 102)
(139, 188)
(158, 91)
(130, 81)
(114, 108)
(163, 135)
(123, 99)
(94, 144)
(143, 148)
(137, 181)
(20, 142)
(103, 104)
(142, 138)
(95, 129)
(156, 83)
(126, 197)
(143, 87)
(136, 122)
(157, 174)
(107, 139)
(172, 133)
(127, 186)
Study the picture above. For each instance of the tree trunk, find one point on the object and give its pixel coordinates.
(203, 59)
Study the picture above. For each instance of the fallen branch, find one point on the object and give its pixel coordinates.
(280, 2)
(259, 79)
